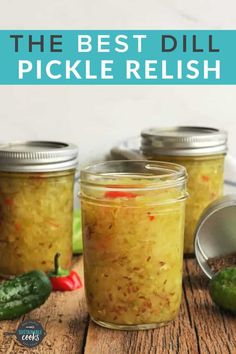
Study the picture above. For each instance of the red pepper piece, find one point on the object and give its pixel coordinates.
(8, 201)
(120, 194)
(62, 279)
(151, 217)
(17, 227)
(205, 178)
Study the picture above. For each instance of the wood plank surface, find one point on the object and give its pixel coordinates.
(64, 318)
(200, 327)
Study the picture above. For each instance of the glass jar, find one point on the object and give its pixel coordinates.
(133, 224)
(36, 205)
(202, 152)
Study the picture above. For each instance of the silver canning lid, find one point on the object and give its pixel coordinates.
(38, 156)
(183, 141)
(215, 234)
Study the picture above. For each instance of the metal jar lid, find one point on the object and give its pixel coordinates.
(183, 141)
(215, 234)
(38, 156)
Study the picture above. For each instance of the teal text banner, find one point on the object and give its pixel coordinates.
(120, 57)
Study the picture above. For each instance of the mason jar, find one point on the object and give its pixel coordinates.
(36, 205)
(133, 227)
(202, 151)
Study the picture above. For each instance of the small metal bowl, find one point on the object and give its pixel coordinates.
(215, 234)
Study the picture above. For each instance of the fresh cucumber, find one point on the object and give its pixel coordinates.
(223, 289)
(23, 294)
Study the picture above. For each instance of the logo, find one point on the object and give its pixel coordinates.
(29, 333)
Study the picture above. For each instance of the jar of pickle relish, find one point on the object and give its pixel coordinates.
(36, 205)
(202, 151)
(133, 232)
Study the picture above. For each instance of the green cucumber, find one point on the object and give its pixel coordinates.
(23, 294)
(223, 289)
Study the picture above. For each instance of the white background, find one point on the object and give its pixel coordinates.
(96, 118)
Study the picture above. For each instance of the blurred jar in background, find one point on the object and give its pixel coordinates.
(36, 205)
(202, 151)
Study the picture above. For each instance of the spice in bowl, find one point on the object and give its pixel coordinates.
(218, 263)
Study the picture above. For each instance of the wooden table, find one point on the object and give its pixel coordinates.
(200, 327)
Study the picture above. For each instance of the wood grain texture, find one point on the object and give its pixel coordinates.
(215, 329)
(64, 318)
(200, 327)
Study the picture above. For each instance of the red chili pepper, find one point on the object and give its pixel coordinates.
(120, 194)
(62, 279)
